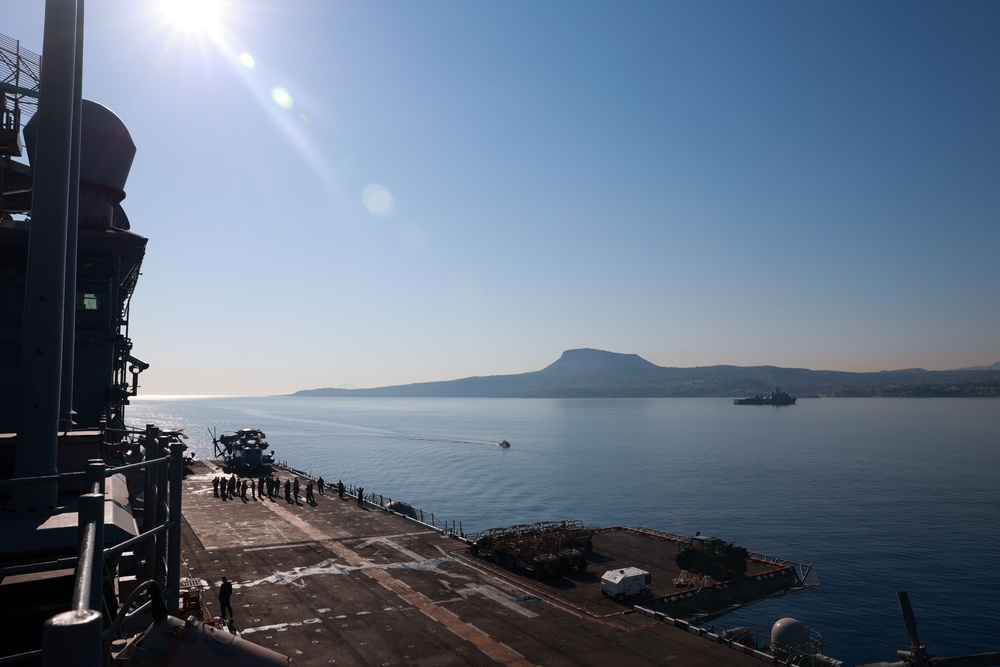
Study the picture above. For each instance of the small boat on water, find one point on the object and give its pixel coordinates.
(503, 443)
(776, 397)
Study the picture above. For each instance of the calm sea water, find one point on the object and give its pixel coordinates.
(881, 494)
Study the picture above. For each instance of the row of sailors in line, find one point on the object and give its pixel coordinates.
(232, 487)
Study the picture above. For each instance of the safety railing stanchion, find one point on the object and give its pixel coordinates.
(176, 474)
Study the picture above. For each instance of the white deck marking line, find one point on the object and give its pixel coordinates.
(286, 545)
(329, 566)
(498, 596)
(494, 649)
(392, 545)
(279, 626)
(392, 537)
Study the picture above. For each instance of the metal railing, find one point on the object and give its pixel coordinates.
(449, 527)
(20, 76)
(76, 636)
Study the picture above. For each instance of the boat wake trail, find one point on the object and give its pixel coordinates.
(439, 438)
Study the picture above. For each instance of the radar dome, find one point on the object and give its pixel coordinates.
(106, 150)
(106, 153)
(788, 633)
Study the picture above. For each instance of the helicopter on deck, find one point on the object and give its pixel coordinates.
(244, 450)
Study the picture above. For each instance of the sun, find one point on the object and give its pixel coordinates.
(196, 16)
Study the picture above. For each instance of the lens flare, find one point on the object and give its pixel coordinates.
(378, 200)
(202, 29)
(282, 98)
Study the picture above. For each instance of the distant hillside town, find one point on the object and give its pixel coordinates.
(589, 373)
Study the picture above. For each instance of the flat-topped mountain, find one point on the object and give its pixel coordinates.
(588, 373)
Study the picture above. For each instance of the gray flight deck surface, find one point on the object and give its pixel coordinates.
(339, 584)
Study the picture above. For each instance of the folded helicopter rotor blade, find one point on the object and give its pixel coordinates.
(908, 617)
(917, 656)
(977, 660)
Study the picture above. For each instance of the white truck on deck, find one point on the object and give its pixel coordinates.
(626, 582)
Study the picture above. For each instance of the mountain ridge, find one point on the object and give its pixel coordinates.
(592, 373)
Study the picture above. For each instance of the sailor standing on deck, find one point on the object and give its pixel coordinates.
(225, 596)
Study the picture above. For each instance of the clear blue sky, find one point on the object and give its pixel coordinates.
(380, 193)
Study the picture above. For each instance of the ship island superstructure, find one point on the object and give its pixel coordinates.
(90, 533)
